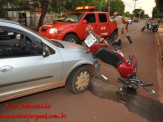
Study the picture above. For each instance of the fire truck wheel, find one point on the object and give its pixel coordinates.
(71, 38)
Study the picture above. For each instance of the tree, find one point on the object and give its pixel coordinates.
(58, 6)
(44, 7)
(155, 12)
(158, 9)
(159, 4)
(128, 14)
(118, 6)
(139, 13)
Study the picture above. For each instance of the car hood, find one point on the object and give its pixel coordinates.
(74, 52)
(57, 25)
(67, 45)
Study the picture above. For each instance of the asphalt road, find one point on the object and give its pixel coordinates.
(101, 103)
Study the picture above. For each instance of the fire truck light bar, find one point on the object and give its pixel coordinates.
(85, 8)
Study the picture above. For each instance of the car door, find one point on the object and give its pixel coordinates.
(103, 24)
(91, 23)
(27, 64)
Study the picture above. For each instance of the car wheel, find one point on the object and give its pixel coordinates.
(79, 80)
(71, 38)
(114, 36)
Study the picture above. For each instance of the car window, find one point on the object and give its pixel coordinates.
(90, 18)
(17, 44)
(74, 18)
(102, 18)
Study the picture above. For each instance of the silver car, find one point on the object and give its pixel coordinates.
(31, 63)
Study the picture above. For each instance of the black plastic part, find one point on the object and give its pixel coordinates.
(109, 57)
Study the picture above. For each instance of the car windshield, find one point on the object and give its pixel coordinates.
(73, 18)
(40, 35)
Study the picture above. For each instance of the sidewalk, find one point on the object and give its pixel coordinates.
(159, 36)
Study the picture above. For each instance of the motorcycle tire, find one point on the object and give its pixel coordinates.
(154, 29)
(143, 29)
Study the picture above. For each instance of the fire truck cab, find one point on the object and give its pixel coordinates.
(73, 27)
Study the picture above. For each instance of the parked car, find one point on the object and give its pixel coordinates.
(31, 63)
(136, 20)
(129, 21)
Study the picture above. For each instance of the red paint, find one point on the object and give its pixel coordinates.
(124, 68)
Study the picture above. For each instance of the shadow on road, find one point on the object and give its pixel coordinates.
(146, 107)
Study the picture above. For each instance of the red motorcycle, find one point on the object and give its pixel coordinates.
(127, 69)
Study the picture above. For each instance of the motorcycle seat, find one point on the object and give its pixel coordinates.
(109, 57)
(155, 25)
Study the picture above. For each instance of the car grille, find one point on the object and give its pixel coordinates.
(43, 30)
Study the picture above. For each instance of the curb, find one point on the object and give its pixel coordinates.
(159, 61)
(160, 30)
(160, 48)
(159, 35)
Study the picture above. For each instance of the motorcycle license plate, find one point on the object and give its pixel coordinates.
(90, 40)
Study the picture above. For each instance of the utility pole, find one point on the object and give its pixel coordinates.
(134, 6)
(109, 7)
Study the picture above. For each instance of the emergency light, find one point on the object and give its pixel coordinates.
(85, 8)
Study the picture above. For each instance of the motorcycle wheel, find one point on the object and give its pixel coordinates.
(155, 29)
(143, 29)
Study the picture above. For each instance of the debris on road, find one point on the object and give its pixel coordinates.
(104, 77)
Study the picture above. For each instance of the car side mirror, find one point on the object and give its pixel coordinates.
(46, 51)
(84, 21)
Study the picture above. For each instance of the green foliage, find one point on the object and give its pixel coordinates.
(58, 6)
(70, 5)
(118, 6)
(159, 4)
(158, 10)
(128, 14)
(139, 13)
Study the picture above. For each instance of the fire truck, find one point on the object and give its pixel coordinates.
(73, 27)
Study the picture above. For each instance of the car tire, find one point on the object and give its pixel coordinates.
(79, 79)
(114, 36)
(71, 38)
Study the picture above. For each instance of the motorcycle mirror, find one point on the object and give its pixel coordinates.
(152, 92)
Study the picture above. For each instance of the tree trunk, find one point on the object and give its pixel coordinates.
(44, 6)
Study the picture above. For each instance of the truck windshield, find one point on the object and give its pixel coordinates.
(73, 18)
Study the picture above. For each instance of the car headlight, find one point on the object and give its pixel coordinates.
(53, 30)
